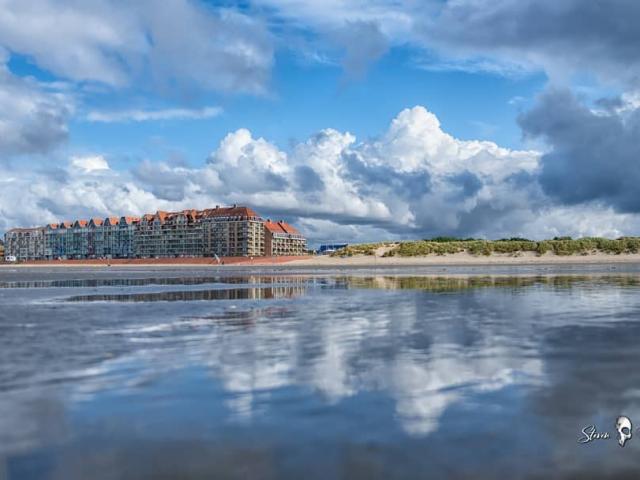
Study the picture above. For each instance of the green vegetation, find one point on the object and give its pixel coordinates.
(511, 246)
(361, 249)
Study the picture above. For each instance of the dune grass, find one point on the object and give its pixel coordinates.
(513, 246)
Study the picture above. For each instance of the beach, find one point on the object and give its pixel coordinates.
(277, 371)
(356, 261)
(463, 259)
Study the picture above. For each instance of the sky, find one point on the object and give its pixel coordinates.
(354, 120)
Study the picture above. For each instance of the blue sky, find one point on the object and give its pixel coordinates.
(355, 120)
(305, 98)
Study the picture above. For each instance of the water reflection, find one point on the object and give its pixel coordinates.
(248, 293)
(138, 282)
(352, 377)
(456, 283)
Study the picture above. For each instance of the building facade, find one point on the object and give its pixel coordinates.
(281, 239)
(234, 231)
(24, 243)
(169, 234)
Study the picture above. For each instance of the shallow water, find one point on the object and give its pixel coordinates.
(187, 374)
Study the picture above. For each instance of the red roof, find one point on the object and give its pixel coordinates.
(234, 211)
(162, 216)
(280, 227)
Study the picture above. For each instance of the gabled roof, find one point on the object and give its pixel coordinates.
(130, 220)
(234, 211)
(280, 227)
(80, 223)
(289, 228)
(161, 215)
(96, 222)
(111, 221)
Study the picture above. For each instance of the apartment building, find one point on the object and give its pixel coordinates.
(169, 234)
(122, 240)
(281, 239)
(234, 231)
(25, 243)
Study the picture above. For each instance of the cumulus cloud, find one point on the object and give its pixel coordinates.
(32, 119)
(183, 45)
(415, 180)
(154, 115)
(593, 156)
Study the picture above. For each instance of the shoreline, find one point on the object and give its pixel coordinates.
(356, 261)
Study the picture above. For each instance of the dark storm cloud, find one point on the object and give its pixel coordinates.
(599, 36)
(593, 157)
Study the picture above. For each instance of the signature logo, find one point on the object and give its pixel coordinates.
(623, 426)
(624, 429)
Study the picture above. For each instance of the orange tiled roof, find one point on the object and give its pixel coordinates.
(192, 214)
(234, 211)
(289, 228)
(161, 215)
(280, 227)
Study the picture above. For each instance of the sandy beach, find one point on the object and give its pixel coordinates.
(359, 261)
(465, 259)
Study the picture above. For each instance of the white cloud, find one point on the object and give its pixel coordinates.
(395, 18)
(154, 115)
(33, 119)
(415, 180)
(506, 37)
(182, 45)
(93, 163)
